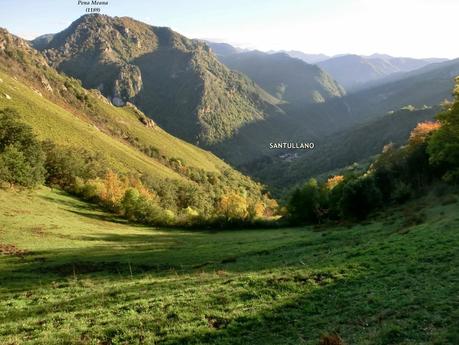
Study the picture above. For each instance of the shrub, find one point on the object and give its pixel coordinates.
(443, 146)
(233, 206)
(64, 164)
(401, 192)
(331, 339)
(113, 190)
(21, 155)
(308, 204)
(360, 196)
(16, 168)
(333, 181)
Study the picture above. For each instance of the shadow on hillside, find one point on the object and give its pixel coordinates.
(159, 253)
(102, 216)
(73, 203)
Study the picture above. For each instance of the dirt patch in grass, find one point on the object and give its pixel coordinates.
(332, 339)
(12, 250)
(216, 322)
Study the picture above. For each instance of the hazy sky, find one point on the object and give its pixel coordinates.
(417, 28)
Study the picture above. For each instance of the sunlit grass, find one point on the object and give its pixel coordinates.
(76, 275)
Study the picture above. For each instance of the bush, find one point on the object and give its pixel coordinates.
(21, 155)
(401, 192)
(360, 196)
(308, 204)
(139, 208)
(16, 168)
(233, 206)
(64, 164)
(443, 146)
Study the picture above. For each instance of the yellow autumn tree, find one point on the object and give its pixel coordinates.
(422, 130)
(257, 209)
(114, 189)
(135, 182)
(233, 206)
(333, 181)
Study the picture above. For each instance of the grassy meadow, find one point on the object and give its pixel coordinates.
(72, 274)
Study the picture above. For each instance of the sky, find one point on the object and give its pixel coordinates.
(414, 28)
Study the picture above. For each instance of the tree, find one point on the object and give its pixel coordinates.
(422, 131)
(114, 189)
(309, 203)
(233, 206)
(443, 146)
(64, 164)
(21, 155)
(360, 196)
(333, 181)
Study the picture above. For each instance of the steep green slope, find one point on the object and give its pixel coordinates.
(56, 123)
(289, 79)
(73, 274)
(177, 81)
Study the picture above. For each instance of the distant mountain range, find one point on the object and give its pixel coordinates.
(351, 71)
(354, 71)
(309, 58)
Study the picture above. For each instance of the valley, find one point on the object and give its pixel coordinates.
(159, 186)
(235, 102)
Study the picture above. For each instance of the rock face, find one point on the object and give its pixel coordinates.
(117, 102)
(46, 84)
(128, 84)
(98, 50)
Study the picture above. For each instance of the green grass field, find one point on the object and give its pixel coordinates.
(72, 274)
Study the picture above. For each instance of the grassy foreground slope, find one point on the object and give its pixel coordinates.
(71, 274)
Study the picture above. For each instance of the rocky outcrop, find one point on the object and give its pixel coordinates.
(147, 122)
(127, 85)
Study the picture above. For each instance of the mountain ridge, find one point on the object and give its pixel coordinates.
(289, 79)
(354, 71)
(176, 80)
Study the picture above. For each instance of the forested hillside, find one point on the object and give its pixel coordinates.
(352, 146)
(287, 78)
